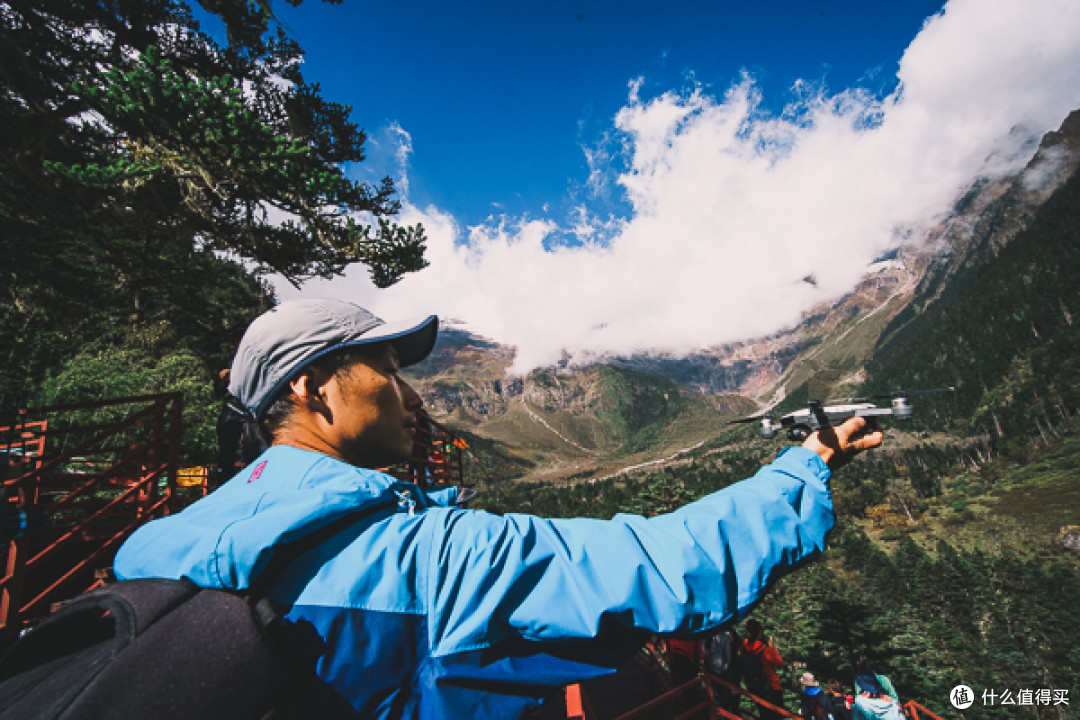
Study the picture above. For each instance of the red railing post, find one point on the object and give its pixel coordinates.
(710, 695)
(575, 708)
(175, 433)
(27, 495)
(11, 589)
(147, 494)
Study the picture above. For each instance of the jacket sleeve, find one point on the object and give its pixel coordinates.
(495, 578)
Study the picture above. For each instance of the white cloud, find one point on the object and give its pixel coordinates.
(404, 149)
(732, 208)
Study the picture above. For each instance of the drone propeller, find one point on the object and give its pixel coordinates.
(752, 418)
(889, 396)
(927, 392)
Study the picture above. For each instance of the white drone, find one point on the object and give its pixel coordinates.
(800, 423)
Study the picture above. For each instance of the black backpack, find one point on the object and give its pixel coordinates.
(718, 652)
(753, 672)
(169, 650)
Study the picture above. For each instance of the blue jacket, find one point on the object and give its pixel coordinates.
(427, 610)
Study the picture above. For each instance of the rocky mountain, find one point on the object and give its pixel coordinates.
(997, 317)
(829, 348)
(555, 423)
(587, 422)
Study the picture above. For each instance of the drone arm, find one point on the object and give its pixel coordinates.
(866, 412)
(819, 414)
(836, 416)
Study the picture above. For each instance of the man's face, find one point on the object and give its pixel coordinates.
(373, 410)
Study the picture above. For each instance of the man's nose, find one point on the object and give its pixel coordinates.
(410, 397)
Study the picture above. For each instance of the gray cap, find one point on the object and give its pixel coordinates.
(281, 341)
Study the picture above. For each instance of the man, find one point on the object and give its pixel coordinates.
(814, 703)
(684, 659)
(760, 661)
(721, 659)
(841, 701)
(876, 698)
(427, 610)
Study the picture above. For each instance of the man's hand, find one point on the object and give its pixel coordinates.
(837, 445)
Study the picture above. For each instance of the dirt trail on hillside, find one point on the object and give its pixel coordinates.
(651, 463)
(558, 434)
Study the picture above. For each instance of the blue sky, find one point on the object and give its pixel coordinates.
(603, 178)
(499, 97)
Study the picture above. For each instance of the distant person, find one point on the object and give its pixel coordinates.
(841, 701)
(814, 703)
(426, 610)
(684, 657)
(759, 661)
(237, 434)
(875, 697)
(722, 660)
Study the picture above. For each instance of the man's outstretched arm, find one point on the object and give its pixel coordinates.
(520, 575)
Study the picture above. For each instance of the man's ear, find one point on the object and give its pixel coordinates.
(309, 389)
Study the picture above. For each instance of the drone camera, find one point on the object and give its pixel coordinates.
(768, 428)
(798, 433)
(902, 409)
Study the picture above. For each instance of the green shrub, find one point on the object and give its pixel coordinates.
(135, 369)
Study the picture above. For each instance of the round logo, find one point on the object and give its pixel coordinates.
(962, 697)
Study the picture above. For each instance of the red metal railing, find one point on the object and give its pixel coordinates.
(715, 682)
(915, 711)
(97, 471)
(437, 458)
(708, 686)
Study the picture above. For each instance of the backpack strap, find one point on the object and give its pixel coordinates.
(57, 631)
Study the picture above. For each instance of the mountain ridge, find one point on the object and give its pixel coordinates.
(590, 421)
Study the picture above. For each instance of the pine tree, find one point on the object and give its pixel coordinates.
(136, 149)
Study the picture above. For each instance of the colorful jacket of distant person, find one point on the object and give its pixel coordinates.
(770, 661)
(428, 610)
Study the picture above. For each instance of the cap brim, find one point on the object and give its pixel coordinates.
(413, 340)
